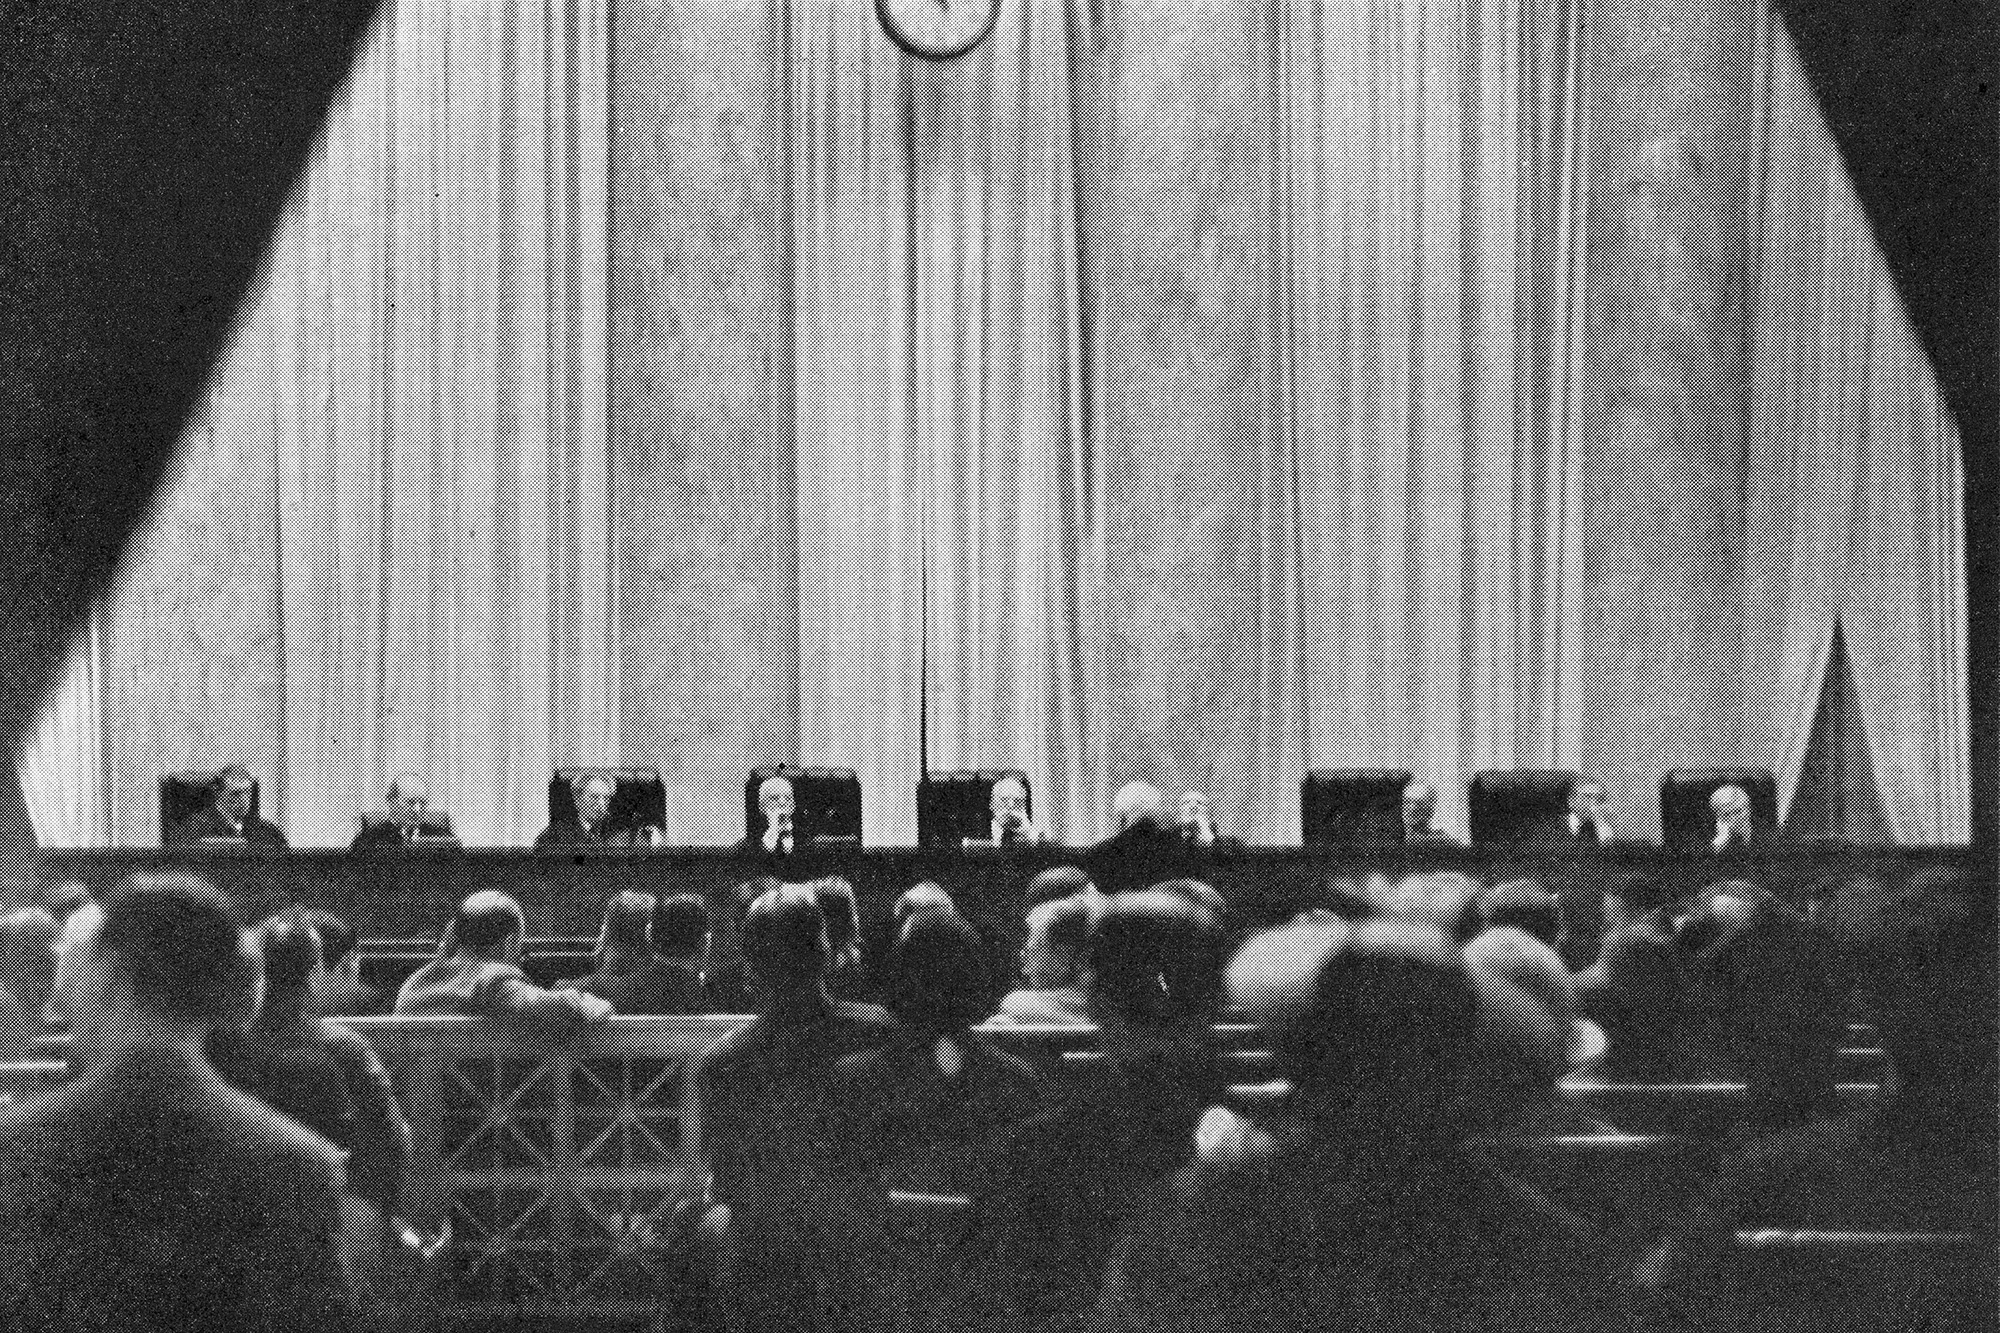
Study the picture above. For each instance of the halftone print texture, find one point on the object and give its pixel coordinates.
(1198, 392)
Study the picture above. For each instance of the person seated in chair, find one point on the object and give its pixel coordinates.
(477, 972)
(1420, 829)
(407, 820)
(318, 1072)
(1007, 802)
(1587, 822)
(146, 1193)
(1145, 849)
(800, 1231)
(649, 955)
(1052, 965)
(781, 838)
(338, 990)
(1736, 829)
(1074, 1175)
(592, 824)
(227, 818)
(1919, 1159)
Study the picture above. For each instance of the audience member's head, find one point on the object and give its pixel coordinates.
(784, 942)
(336, 939)
(1349, 899)
(681, 927)
(1443, 900)
(1375, 1022)
(28, 958)
(1152, 960)
(234, 790)
(1526, 905)
(1528, 1010)
(843, 920)
(1201, 894)
(73, 946)
(925, 899)
(1722, 911)
(293, 957)
(1057, 932)
(627, 930)
(938, 983)
(168, 961)
(592, 793)
(489, 924)
(1054, 884)
(1138, 803)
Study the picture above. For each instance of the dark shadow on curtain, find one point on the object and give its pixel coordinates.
(150, 146)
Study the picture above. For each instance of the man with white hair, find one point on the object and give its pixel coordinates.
(1736, 829)
(779, 806)
(1144, 850)
(590, 823)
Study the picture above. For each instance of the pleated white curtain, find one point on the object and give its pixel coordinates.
(63, 765)
(414, 414)
(1195, 390)
(438, 297)
(1853, 487)
(1009, 544)
(852, 350)
(1429, 317)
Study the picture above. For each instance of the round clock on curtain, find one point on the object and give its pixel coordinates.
(937, 29)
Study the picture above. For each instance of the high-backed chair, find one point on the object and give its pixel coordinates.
(184, 795)
(1357, 807)
(1685, 819)
(827, 801)
(638, 801)
(953, 806)
(1517, 806)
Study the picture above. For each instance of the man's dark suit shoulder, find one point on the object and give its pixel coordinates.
(240, 1222)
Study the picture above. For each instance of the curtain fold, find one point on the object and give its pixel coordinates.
(1189, 390)
(410, 433)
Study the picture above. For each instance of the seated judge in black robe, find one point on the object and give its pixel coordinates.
(781, 839)
(228, 817)
(406, 822)
(1144, 851)
(591, 825)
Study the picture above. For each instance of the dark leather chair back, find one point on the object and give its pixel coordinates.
(1356, 807)
(1518, 806)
